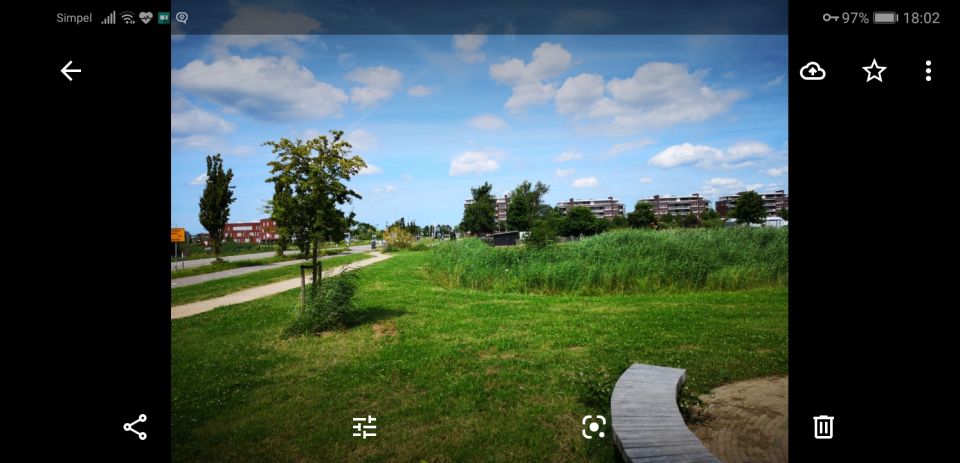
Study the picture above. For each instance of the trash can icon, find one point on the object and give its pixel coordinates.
(823, 427)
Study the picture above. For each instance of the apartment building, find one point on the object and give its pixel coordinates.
(677, 205)
(251, 232)
(774, 203)
(601, 208)
(500, 214)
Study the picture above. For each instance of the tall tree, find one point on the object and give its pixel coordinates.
(311, 174)
(526, 205)
(478, 216)
(642, 216)
(215, 202)
(581, 221)
(749, 208)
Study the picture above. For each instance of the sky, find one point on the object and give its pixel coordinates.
(432, 116)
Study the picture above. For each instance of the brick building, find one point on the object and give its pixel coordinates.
(601, 208)
(677, 205)
(774, 203)
(263, 231)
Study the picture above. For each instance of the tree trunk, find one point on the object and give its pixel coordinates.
(316, 263)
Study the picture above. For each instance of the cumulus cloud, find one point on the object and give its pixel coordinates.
(266, 88)
(475, 162)
(568, 156)
(386, 189)
(777, 172)
(199, 180)
(419, 90)
(709, 157)
(565, 172)
(370, 170)
(646, 180)
(362, 141)
(719, 186)
(585, 182)
(380, 82)
(527, 79)
(467, 47)
(186, 119)
(657, 95)
(487, 122)
(775, 81)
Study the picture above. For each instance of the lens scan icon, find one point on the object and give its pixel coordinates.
(593, 427)
(812, 71)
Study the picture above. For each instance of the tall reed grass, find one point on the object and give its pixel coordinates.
(620, 262)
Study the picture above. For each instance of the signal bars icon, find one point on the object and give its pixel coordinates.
(111, 18)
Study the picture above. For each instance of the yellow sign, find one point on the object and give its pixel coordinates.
(178, 235)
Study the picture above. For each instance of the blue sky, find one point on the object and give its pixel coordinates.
(433, 116)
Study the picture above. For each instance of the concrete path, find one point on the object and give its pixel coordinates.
(189, 281)
(259, 255)
(246, 295)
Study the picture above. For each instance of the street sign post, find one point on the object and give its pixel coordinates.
(177, 235)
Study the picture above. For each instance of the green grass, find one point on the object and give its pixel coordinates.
(227, 265)
(450, 374)
(621, 262)
(224, 286)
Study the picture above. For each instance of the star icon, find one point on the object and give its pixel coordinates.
(874, 70)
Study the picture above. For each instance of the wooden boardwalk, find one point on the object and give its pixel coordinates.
(647, 425)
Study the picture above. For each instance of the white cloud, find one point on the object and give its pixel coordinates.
(657, 95)
(720, 186)
(419, 90)
(345, 58)
(186, 119)
(565, 172)
(475, 162)
(265, 88)
(362, 141)
(620, 148)
(487, 122)
(775, 81)
(386, 189)
(568, 156)
(200, 180)
(370, 170)
(646, 180)
(549, 61)
(585, 182)
(407, 177)
(708, 157)
(380, 82)
(467, 47)
(777, 172)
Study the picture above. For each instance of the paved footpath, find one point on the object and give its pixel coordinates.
(196, 279)
(193, 308)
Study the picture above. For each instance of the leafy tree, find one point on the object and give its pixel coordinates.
(215, 202)
(581, 221)
(478, 217)
(310, 176)
(711, 219)
(619, 221)
(690, 221)
(526, 205)
(749, 208)
(642, 216)
(363, 231)
(785, 214)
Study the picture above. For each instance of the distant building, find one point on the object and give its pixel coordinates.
(264, 231)
(500, 214)
(506, 238)
(774, 203)
(601, 208)
(677, 205)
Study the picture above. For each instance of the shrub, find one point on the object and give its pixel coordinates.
(329, 306)
(398, 238)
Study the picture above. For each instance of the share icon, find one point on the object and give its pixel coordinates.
(129, 427)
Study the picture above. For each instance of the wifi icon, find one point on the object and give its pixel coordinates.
(127, 17)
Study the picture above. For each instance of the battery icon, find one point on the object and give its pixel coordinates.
(884, 17)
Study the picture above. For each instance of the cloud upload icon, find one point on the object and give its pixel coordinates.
(812, 71)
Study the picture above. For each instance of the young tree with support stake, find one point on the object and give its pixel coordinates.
(308, 178)
(215, 202)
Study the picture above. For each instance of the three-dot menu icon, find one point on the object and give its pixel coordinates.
(929, 70)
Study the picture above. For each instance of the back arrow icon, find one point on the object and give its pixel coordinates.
(66, 71)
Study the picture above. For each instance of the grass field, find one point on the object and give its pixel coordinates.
(227, 265)
(224, 286)
(621, 262)
(451, 374)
